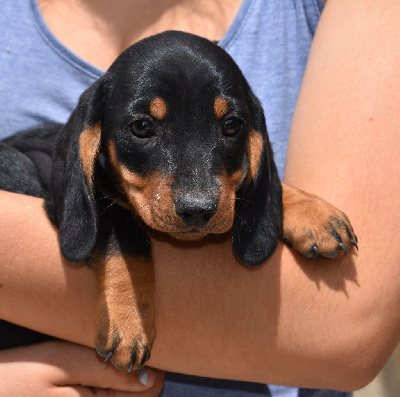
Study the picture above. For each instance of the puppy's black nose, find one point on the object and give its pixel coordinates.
(196, 210)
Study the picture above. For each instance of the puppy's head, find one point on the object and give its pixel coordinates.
(185, 142)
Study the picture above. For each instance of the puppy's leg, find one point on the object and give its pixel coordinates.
(125, 313)
(18, 173)
(314, 227)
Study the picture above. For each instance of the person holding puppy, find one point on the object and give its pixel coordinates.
(309, 322)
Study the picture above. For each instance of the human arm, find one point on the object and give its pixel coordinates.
(54, 368)
(290, 321)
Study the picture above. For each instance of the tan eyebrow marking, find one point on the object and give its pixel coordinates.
(220, 107)
(158, 108)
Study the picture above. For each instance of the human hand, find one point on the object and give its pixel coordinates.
(60, 368)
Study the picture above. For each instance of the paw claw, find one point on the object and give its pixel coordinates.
(146, 356)
(135, 357)
(354, 243)
(109, 355)
(133, 360)
(342, 247)
(130, 368)
(316, 253)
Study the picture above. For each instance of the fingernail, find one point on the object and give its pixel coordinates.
(144, 377)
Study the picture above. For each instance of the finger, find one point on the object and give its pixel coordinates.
(82, 366)
(80, 391)
(85, 391)
(75, 365)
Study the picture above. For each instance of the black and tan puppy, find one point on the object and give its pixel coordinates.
(170, 139)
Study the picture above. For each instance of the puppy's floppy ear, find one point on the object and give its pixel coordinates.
(258, 210)
(70, 203)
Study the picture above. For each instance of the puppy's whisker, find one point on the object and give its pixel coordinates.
(248, 204)
(137, 220)
(243, 222)
(242, 199)
(110, 205)
(111, 195)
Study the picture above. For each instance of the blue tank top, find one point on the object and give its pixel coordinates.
(41, 81)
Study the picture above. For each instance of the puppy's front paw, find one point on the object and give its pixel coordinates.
(125, 312)
(125, 352)
(124, 336)
(313, 227)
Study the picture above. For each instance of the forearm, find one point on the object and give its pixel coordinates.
(38, 289)
(291, 321)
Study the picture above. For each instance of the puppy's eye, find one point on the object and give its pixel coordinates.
(142, 128)
(232, 126)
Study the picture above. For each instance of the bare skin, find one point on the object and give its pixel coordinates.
(62, 368)
(291, 321)
(102, 32)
